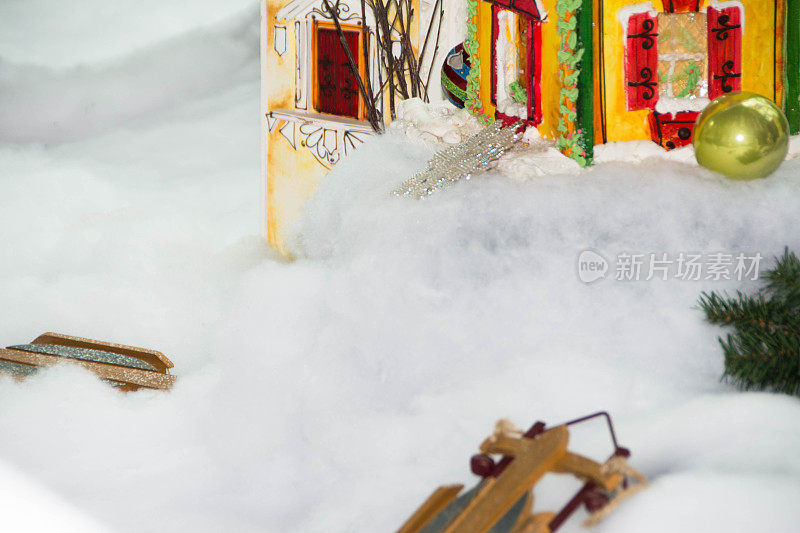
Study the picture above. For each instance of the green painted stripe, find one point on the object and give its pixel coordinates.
(453, 88)
(585, 120)
(792, 104)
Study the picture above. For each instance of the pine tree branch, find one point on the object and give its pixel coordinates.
(750, 313)
(763, 353)
(785, 277)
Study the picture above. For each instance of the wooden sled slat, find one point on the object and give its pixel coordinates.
(435, 503)
(131, 376)
(155, 358)
(532, 460)
(502, 501)
(102, 358)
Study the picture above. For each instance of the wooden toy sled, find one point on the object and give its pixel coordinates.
(125, 367)
(503, 501)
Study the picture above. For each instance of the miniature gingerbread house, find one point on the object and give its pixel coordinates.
(582, 72)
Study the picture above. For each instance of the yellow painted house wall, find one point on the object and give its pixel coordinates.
(292, 174)
(483, 34)
(551, 87)
(621, 124)
(758, 63)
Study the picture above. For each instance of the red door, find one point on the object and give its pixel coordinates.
(337, 87)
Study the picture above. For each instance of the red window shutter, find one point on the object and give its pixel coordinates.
(535, 71)
(337, 88)
(327, 44)
(641, 62)
(724, 51)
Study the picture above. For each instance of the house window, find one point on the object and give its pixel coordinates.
(679, 60)
(682, 55)
(515, 76)
(335, 85)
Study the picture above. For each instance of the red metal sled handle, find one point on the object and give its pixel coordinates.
(618, 450)
(589, 488)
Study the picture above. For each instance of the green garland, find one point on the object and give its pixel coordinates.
(474, 104)
(691, 74)
(518, 92)
(569, 55)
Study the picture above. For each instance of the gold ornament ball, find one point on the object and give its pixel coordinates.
(743, 135)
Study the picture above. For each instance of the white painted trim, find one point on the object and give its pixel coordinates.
(349, 11)
(280, 36)
(301, 60)
(329, 121)
(327, 137)
(681, 57)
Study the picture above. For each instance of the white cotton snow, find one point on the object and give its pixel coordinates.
(434, 122)
(336, 392)
(64, 35)
(28, 507)
(466, 305)
(39, 103)
(535, 157)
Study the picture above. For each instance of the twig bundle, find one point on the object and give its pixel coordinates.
(399, 67)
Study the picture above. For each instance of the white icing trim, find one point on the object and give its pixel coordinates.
(541, 9)
(672, 104)
(626, 12)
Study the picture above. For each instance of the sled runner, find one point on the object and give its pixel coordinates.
(502, 502)
(125, 367)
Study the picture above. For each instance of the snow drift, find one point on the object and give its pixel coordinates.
(335, 392)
